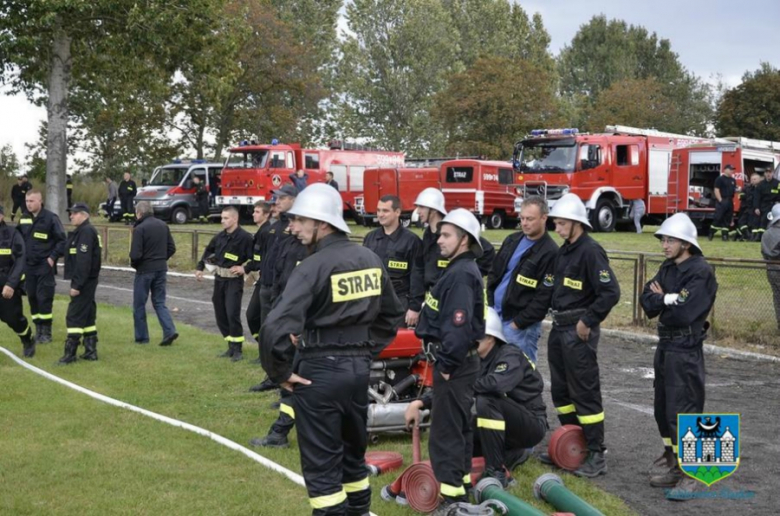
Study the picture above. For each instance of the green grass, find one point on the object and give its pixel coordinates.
(64, 453)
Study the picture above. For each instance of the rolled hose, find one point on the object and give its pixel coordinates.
(549, 487)
(420, 487)
(491, 489)
(379, 462)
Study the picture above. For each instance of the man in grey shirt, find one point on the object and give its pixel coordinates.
(113, 193)
(770, 250)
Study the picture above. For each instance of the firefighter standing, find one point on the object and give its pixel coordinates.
(230, 247)
(748, 221)
(767, 193)
(770, 250)
(69, 189)
(338, 308)
(725, 187)
(127, 191)
(44, 243)
(585, 292)
(82, 268)
(18, 193)
(681, 295)
(451, 323)
(11, 271)
(201, 198)
(397, 247)
(261, 217)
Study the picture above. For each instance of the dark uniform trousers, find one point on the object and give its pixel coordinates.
(773, 276)
(576, 387)
(227, 307)
(451, 443)
(82, 312)
(724, 214)
(40, 285)
(254, 314)
(332, 433)
(12, 312)
(502, 425)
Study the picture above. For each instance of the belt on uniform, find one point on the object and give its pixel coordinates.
(432, 348)
(671, 332)
(357, 335)
(224, 272)
(568, 317)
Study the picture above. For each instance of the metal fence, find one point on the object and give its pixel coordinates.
(743, 311)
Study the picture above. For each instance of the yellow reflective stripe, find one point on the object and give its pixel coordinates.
(46, 316)
(72, 250)
(349, 286)
(76, 330)
(397, 265)
(230, 256)
(354, 487)
(100, 242)
(287, 409)
(234, 339)
(589, 420)
(69, 187)
(674, 449)
(42, 236)
(25, 221)
(90, 329)
(568, 282)
(33, 316)
(432, 302)
(528, 282)
(442, 263)
(25, 330)
(5, 252)
(467, 478)
(667, 441)
(322, 502)
(452, 491)
(491, 424)
(257, 258)
(566, 409)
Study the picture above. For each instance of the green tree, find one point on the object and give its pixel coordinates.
(9, 162)
(50, 47)
(490, 106)
(632, 102)
(752, 109)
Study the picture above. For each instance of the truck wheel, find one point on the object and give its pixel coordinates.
(603, 218)
(496, 221)
(180, 216)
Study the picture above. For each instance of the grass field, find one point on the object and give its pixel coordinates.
(66, 454)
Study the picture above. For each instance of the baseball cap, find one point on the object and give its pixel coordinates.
(287, 189)
(79, 207)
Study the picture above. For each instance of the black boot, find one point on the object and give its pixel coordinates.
(237, 355)
(265, 385)
(593, 466)
(44, 334)
(228, 353)
(724, 236)
(711, 235)
(71, 345)
(90, 348)
(272, 440)
(28, 344)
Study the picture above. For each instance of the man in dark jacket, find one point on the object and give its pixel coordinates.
(520, 283)
(330, 181)
(151, 248)
(12, 283)
(18, 193)
(767, 193)
(299, 180)
(127, 192)
(202, 198)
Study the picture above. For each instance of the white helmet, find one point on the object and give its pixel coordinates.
(493, 324)
(570, 207)
(774, 215)
(431, 198)
(320, 202)
(466, 221)
(679, 226)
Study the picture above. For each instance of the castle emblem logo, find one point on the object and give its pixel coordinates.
(708, 445)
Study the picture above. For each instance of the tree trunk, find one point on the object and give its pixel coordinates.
(57, 136)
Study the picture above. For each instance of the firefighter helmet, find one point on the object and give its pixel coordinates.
(774, 215)
(320, 202)
(570, 207)
(431, 198)
(466, 221)
(679, 226)
(493, 325)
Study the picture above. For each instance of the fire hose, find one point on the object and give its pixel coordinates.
(380, 462)
(491, 489)
(549, 487)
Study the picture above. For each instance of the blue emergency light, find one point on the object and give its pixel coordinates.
(198, 161)
(565, 132)
(243, 143)
(274, 142)
(176, 161)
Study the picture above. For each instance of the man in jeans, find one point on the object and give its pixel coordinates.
(152, 246)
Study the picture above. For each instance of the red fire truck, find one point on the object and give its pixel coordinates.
(606, 170)
(252, 170)
(404, 183)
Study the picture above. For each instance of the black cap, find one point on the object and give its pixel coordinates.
(79, 207)
(728, 167)
(287, 189)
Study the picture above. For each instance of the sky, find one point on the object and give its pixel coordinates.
(714, 37)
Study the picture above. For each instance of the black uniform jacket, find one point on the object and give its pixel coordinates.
(258, 247)
(727, 187)
(340, 287)
(530, 289)
(202, 192)
(44, 237)
(428, 271)
(584, 279)
(746, 197)
(82, 263)
(767, 193)
(291, 253)
(19, 192)
(400, 254)
(454, 312)
(695, 283)
(507, 372)
(152, 245)
(127, 189)
(11, 257)
(228, 249)
(277, 233)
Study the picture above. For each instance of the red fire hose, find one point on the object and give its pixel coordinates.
(567, 447)
(379, 462)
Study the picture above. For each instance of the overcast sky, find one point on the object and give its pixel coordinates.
(711, 37)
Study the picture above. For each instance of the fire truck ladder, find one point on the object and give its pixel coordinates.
(674, 199)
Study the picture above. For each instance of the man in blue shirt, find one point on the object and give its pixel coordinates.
(521, 280)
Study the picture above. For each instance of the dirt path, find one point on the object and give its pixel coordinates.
(750, 388)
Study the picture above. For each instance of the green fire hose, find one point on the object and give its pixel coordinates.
(549, 487)
(490, 489)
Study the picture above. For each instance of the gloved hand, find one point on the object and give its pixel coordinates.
(671, 299)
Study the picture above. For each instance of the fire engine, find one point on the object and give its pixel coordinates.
(606, 170)
(252, 170)
(404, 183)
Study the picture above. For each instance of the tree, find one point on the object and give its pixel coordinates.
(752, 109)
(633, 102)
(50, 47)
(490, 106)
(9, 163)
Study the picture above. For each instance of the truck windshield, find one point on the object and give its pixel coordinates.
(547, 156)
(168, 176)
(247, 159)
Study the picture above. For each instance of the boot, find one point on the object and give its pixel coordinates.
(44, 334)
(265, 385)
(711, 235)
(90, 348)
(684, 489)
(272, 440)
(28, 344)
(498, 475)
(516, 458)
(593, 466)
(664, 462)
(71, 345)
(725, 237)
(669, 479)
(545, 458)
(236, 352)
(228, 353)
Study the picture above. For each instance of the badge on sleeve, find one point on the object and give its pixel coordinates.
(501, 367)
(459, 317)
(683, 295)
(604, 276)
(549, 280)
(83, 248)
